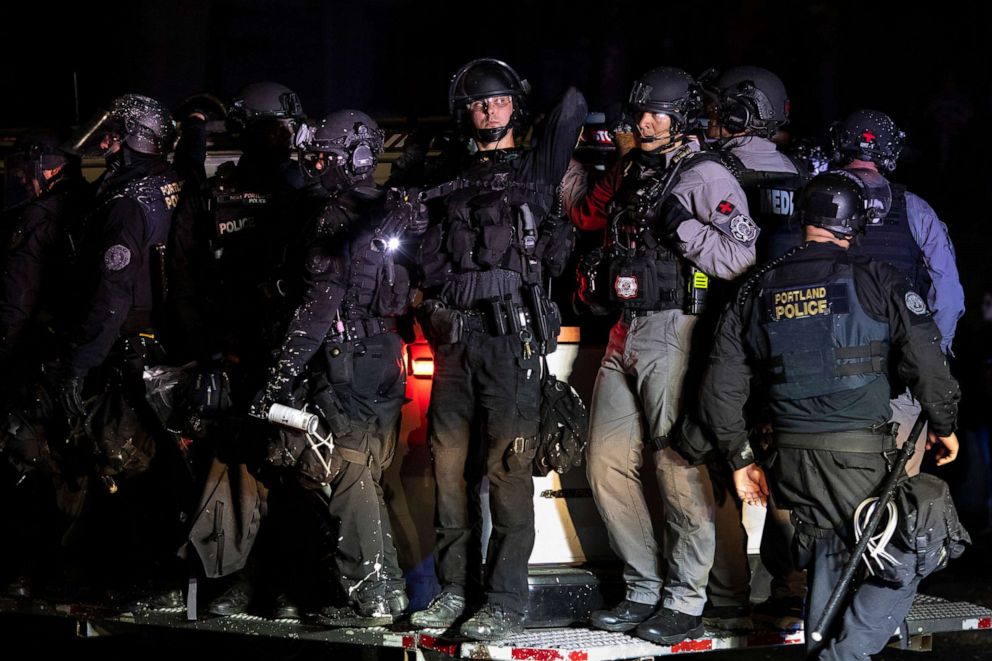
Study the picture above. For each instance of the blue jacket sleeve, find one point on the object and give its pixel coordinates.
(946, 296)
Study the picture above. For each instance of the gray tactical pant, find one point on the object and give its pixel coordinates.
(637, 398)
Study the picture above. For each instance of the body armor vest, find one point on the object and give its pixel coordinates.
(495, 222)
(238, 219)
(815, 339)
(158, 196)
(638, 270)
(377, 285)
(770, 199)
(892, 241)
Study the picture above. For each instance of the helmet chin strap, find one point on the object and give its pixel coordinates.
(489, 136)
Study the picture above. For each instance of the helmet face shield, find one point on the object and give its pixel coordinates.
(22, 179)
(100, 137)
(877, 194)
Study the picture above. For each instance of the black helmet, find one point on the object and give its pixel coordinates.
(139, 122)
(868, 135)
(835, 201)
(668, 91)
(748, 99)
(481, 79)
(34, 153)
(265, 100)
(350, 141)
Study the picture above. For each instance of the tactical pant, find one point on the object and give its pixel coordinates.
(372, 398)
(637, 398)
(823, 488)
(483, 423)
(873, 614)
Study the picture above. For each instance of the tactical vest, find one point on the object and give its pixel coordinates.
(158, 196)
(640, 270)
(892, 241)
(770, 199)
(815, 339)
(237, 218)
(495, 222)
(377, 285)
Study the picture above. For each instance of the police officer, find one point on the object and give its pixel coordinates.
(133, 213)
(910, 237)
(674, 216)
(122, 262)
(488, 319)
(229, 243)
(229, 295)
(39, 250)
(357, 285)
(746, 106)
(45, 196)
(818, 327)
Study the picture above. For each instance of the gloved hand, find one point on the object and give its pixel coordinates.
(418, 219)
(71, 396)
(278, 390)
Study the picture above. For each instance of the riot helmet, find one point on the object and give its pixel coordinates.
(36, 163)
(485, 81)
(836, 201)
(341, 150)
(667, 91)
(747, 99)
(868, 135)
(137, 122)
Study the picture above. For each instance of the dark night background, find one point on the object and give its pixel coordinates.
(927, 66)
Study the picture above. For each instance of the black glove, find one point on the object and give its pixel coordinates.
(71, 396)
(279, 390)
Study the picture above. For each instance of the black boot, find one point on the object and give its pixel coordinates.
(668, 627)
(623, 617)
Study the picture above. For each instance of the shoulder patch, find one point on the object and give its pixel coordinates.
(915, 303)
(743, 228)
(725, 207)
(117, 257)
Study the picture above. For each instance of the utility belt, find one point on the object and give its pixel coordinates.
(628, 315)
(498, 316)
(862, 441)
(357, 329)
(538, 321)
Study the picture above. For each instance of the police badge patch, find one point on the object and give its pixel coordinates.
(116, 257)
(915, 303)
(626, 286)
(743, 228)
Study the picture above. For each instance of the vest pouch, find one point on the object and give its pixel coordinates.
(555, 244)
(494, 235)
(634, 283)
(433, 262)
(461, 245)
(495, 242)
(340, 362)
(592, 283)
(393, 300)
